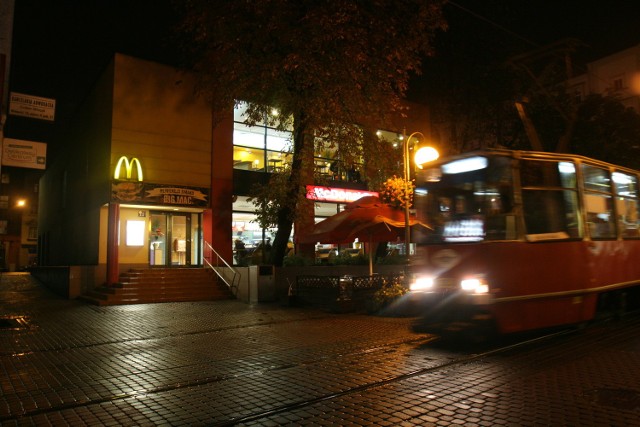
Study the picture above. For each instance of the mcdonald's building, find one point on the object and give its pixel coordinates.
(150, 179)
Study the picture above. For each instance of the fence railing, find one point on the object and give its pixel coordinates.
(229, 275)
(341, 293)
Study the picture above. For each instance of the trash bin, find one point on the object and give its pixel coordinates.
(266, 284)
(346, 287)
(344, 303)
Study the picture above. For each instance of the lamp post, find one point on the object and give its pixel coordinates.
(423, 155)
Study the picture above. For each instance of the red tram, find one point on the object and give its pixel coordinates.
(524, 240)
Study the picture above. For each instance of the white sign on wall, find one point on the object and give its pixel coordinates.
(24, 154)
(34, 107)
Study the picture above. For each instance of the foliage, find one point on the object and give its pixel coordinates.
(389, 292)
(609, 131)
(325, 66)
(476, 113)
(348, 259)
(297, 261)
(271, 197)
(392, 260)
(397, 192)
(472, 106)
(382, 159)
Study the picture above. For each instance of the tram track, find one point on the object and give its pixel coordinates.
(209, 380)
(632, 319)
(441, 365)
(394, 379)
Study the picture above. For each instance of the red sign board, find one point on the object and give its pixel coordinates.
(337, 195)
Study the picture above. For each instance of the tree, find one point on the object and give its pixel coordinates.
(324, 65)
(607, 130)
(473, 107)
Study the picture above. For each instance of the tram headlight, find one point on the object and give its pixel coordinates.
(475, 285)
(421, 284)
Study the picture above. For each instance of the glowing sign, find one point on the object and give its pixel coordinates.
(466, 230)
(338, 195)
(128, 166)
(465, 165)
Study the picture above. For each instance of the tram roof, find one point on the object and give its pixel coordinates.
(528, 154)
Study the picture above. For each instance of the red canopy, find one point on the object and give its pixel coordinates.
(367, 219)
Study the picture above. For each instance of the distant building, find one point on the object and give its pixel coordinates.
(615, 75)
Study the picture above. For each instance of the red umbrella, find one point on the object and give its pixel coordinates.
(366, 219)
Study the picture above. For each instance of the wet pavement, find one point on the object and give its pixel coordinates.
(229, 363)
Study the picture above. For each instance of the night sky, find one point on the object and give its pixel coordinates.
(60, 47)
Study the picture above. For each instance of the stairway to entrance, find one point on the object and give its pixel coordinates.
(144, 286)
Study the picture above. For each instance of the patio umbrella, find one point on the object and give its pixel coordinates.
(367, 219)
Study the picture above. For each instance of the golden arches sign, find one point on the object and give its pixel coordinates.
(128, 166)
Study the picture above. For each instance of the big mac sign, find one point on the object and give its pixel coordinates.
(128, 187)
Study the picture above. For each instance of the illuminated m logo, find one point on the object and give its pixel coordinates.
(128, 167)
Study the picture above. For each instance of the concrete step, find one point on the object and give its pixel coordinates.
(161, 285)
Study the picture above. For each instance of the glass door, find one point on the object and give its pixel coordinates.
(180, 239)
(158, 239)
(171, 242)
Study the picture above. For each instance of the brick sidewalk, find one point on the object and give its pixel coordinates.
(228, 363)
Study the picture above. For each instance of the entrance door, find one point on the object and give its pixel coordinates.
(170, 239)
(181, 239)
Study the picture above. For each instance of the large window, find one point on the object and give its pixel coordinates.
(467, 200)
(550, 200)
(259, 147)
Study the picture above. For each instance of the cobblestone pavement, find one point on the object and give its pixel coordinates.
(228, 363)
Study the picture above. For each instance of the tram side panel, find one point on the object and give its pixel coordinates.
(615, 268)
(539, 285)
(530, 285)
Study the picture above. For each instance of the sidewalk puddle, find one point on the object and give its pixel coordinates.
(13, 322)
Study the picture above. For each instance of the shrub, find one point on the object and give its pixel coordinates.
(347, 259)
(392, 260)
(296, 261)
(388, 293)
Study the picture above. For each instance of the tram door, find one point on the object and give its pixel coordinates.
(170, 239)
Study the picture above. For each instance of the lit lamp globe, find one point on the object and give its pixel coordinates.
(425, 155)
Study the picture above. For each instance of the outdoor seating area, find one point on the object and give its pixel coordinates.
(368, 220)
(343, 293)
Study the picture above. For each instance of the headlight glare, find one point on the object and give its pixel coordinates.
(421, 284)
(474, 285)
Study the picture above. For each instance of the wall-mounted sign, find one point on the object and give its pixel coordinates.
(34, 107)
(159, 194)
(338, 195)
(127, 172)
(174, 195)
(24, 154)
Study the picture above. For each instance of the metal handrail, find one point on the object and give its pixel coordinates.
(221, 268)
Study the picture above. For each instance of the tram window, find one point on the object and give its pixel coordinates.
(536, 173)
(626, 185)
(627, 209)
(596, 179)
(470, 205)
(627, 204)
(600, 219)
(551, 212)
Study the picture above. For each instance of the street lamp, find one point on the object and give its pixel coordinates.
(422, 156)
